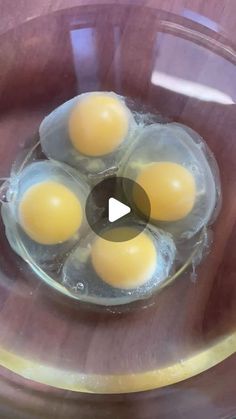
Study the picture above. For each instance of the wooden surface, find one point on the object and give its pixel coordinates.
(17, 11)
(39, 69)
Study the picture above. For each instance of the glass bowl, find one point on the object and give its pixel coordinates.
(54, 348)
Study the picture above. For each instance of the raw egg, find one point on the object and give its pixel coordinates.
(173, 196)
(44, 215)
(109, 269)
(179, 174)
(124, 264)
(50, 213)
(89, 132)
(98, 124)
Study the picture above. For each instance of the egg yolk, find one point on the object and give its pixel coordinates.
(170, 188)
(50, 213)
(98, 124)
(125, 264)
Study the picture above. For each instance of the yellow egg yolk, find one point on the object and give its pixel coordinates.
(50, 213)
(170, 188)
(125, 264)
(98, 124)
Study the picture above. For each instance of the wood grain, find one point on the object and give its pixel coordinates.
(39, 69)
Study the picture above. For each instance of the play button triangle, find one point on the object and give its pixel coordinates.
(117, 210)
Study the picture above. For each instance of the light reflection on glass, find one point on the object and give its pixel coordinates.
(117, 58)
(87, 59)
(203, 20)
(83, 42)
(190, 88)
(190, 69)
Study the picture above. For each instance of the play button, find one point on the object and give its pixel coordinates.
(117, 210)
(112, 203)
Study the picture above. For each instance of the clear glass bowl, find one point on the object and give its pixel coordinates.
(53, 348)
